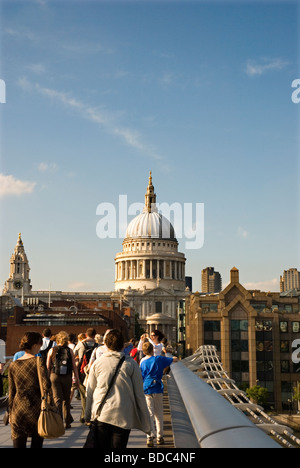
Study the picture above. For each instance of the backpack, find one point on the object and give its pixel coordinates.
(135, 354)
(62, 361)
(86, 356)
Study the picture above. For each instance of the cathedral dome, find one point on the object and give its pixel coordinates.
(150, 223)
(150, 258)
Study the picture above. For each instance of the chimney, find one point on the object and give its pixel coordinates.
(234, 275)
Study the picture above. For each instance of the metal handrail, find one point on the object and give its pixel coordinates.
(217, 424)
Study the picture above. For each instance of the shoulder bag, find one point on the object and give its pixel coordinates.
(92, 435)
(50, 423)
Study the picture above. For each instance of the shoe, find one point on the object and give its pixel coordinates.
(160, 441)
(150, 442)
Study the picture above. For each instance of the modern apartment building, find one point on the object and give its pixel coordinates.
(290, 280)
(211, 281)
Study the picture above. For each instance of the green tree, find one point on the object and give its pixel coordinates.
(258, 395)
(296, 395)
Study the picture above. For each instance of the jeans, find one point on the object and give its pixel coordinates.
(109, 436)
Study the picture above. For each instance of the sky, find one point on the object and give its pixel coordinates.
(99, 93)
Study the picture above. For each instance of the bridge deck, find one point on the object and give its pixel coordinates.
(76, 436)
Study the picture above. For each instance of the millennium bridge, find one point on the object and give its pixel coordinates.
(203, 408)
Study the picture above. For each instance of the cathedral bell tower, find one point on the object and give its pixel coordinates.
(18, 283)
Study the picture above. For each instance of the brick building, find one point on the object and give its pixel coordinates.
(72, 316)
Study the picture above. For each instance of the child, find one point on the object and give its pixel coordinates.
(152, 368)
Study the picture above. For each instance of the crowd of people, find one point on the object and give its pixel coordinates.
(85, 367)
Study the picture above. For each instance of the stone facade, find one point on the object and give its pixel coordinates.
(18, 282)
(254, 332)
(150, 272)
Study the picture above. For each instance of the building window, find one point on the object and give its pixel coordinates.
(264, 353)
(158, 307)
(284, 327)
(285, 367)
(240, 351)
(284, 346)
(212, 333)
(209, 307)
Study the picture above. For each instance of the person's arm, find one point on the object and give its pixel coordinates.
(11, 390)
(49, 361)
(90, 388)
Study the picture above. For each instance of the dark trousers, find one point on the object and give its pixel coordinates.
(111, 437)
(61, 388)
(36, 441)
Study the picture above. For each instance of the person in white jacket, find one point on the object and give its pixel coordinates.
(125, 407)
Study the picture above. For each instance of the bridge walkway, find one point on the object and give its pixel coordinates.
(76, 436)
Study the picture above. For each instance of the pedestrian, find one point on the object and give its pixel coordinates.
(102, 348)
(48, 343)
(74, 389)
(144, 338)
(134, 353)
(156, 338)
(61, 366)
(100, 341)
(152, 368)
(125, 407)
(24, 400)
(83, 352)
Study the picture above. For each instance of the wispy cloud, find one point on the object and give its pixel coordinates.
(78, 286)
(105, 119)
(10, 186)
(37, 68)
(258, 68)
(242, 233)
(269, 285)
(45, 167)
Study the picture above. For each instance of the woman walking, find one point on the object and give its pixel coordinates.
(125, 407)
(61, 366)
(25, 394)
(156, 338)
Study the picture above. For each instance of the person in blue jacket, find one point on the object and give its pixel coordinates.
(152, 368)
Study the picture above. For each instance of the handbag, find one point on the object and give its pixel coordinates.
(50, 423)
(92, 435)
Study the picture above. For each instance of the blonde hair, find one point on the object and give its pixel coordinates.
(62, 338)
(81, 337)
(148, 348)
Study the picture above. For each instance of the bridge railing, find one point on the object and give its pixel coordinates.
(216, 423)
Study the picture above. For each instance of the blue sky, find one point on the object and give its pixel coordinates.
(99, 93)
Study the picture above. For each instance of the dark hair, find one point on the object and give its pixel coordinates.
(29, 340)
(114, 340)
(91, 333)
(159, 334)
(47, 333)
(72, 338)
